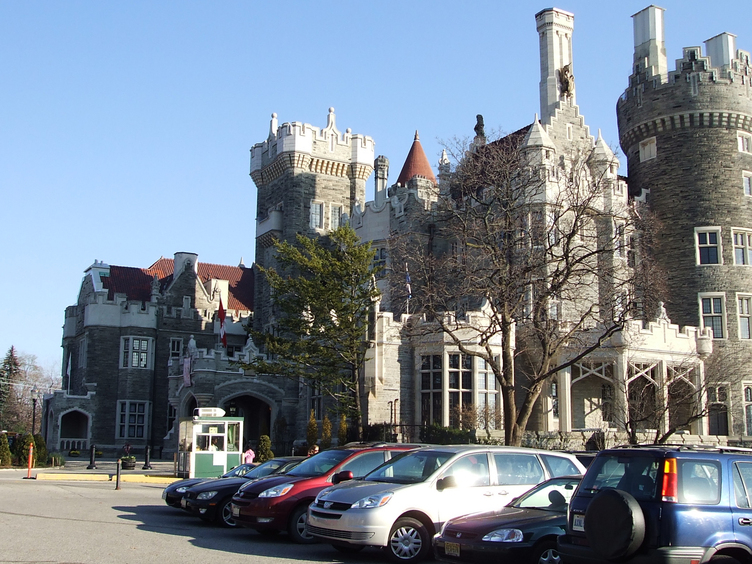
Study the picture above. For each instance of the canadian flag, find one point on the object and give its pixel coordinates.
(221, 315)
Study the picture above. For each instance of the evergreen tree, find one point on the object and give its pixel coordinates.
(40, 449)
(21, 450)
(264, 449)
(326, 433)
(342, 431)
(323, 292)
(312, 434)
(10, 371)
(5, 456)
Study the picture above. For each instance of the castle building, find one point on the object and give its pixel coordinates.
(687, 136)
(142, 346)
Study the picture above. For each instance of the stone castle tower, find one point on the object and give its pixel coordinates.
(687, 136)
(308, 180)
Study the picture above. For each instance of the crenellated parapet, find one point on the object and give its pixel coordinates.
(303, 147)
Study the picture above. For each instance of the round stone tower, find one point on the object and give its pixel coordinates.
(687, 136)
(309, 179)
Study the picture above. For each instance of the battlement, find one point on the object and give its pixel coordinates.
(321, 150)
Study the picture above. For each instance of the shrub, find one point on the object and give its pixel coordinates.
(342, 431)
(438, 435)
(21, 450)
(41, 449)
(326, 433)
(5, 456)
(264, 449)
(312, 434)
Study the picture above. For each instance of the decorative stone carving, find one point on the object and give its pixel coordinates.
(566, 81)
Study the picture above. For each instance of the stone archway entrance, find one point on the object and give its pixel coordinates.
(74, 431)
(257, 414)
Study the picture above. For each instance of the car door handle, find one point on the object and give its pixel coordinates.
(503, 492)
(745, 521)
(488, 494)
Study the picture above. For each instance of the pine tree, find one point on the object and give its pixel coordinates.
(312, 435)
(326, 433)
(264, 449)
(40, 449)
(21, 449)
(10, 371)
(5, 456)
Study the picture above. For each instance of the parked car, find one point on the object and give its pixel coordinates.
(402, 504)
(667, 504)
(210, 500)
(280, 503)
(523, 531)
(173, 494)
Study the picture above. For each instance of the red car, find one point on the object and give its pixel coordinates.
(280, 503)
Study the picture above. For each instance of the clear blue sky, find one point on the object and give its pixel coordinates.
(125, 126)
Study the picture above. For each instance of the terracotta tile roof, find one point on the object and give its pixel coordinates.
(135, 283)
(416, 164)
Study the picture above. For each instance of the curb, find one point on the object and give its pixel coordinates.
(137, 478)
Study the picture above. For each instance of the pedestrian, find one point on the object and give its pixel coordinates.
(313, 450)
(249, 455)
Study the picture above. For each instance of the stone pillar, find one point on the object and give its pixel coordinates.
(649, 46)
(555, 29)
(565, 400)
(621, 403)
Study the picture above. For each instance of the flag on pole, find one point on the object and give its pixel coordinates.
(407, 283)
(68, 374)
(221, 315)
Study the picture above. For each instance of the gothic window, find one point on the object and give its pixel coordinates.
(712, 311)
(745, 327)
(431, 380)
(336, 217)
(742, 247)
(708, 246)
(132, 419)
(135, 353)
(82, 353)
(317, 215)
(176, 348)
(647, 149)
(717, 410)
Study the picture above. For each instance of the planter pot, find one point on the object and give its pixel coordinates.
(128, 464)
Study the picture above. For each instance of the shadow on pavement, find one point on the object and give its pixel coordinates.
(171, 521)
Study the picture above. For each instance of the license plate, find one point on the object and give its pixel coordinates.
(183, 503)
(235, 511)
(578, 523)
(452, 549)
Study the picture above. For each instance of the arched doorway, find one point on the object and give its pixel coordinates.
(190, 406)
(74, 431)
(257, 414)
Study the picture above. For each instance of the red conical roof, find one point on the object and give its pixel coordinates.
(416, 164)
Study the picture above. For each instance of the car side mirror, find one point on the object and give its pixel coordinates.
(447, 482)
(342, 476)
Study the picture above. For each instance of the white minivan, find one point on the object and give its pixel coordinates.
(400, 505)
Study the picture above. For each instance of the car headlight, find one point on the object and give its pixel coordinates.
(371, 501)
(504, 535)
(206, 495)
(276, 491)
(182, 489)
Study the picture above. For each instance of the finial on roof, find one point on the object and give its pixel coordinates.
(241, 265)
(330, 119)
(417, 138)
(273, 125)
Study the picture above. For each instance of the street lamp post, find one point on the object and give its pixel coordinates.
(34, 393)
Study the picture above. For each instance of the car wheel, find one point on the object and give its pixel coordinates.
(545, 553)
(224, 514)
(297, 526)
(614, 524)
(409, 541)
(348, 548)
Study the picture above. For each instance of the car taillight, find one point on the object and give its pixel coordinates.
(670, 489)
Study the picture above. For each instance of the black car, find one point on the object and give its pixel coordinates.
(523, 531)
(211, 500)
(173, 493)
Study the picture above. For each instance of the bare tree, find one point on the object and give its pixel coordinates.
(539, 242)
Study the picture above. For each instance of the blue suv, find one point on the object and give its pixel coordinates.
(662, 504)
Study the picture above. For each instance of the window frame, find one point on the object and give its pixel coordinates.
(747, 182)
(332, 209)
(708, 231)
(712, 296)
(316, 205)
(123, 419)
(648, 149)
(745, 247)
(127, 350)
(744, 315)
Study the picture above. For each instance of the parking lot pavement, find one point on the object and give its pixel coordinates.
(91, 522)
(161, 472)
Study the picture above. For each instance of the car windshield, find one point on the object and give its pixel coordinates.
(319, 464)
(553, 495)
(265, 468)
(410, 468)
(241, 470)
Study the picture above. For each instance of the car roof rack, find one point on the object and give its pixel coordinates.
(689, 447)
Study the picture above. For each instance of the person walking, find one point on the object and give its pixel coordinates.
(248, 455)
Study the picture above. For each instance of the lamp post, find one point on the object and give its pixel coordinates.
(34, 393)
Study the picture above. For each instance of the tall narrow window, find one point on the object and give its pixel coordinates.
(748, 407)
(607, 402)
(336, 218)
(708, 246)
(747, 182)
(647, 149)
(712, 315)
(745, 329)
(317, 215)
(745, 143)
(460, 390)
(430, 386)
(489, 409)
(742, 247)
(555, 399)
(176, 348)
(317, 400)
